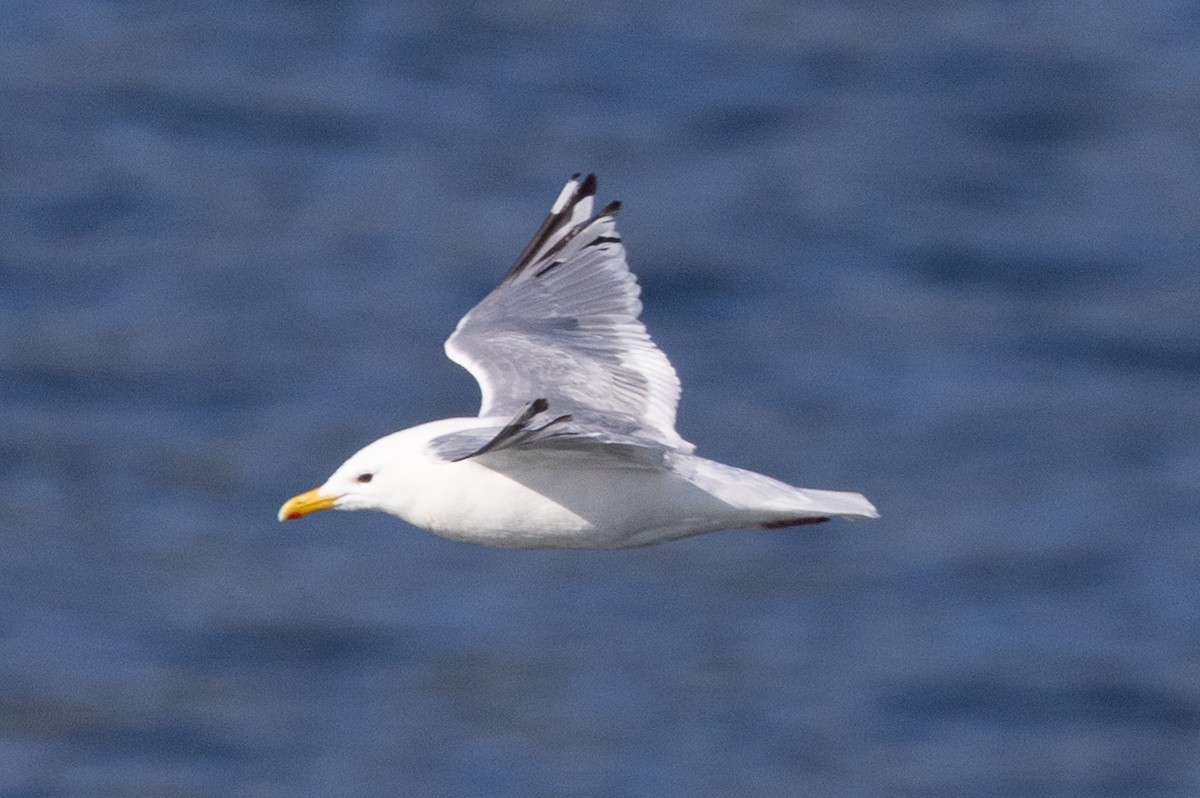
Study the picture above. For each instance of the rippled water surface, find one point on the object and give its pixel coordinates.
(945, 254)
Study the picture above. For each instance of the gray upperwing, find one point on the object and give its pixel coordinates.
(559, 434)
(564, 324)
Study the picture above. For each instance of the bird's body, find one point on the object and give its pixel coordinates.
(575, 445)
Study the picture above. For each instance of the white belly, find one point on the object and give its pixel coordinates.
(556, 502)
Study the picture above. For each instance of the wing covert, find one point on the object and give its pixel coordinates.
(563, 324)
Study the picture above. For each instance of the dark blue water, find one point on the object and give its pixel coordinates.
(944, 254)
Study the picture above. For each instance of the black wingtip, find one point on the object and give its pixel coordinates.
(588, 187)
(611, 208)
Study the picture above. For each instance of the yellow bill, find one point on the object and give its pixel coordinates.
(305, 503)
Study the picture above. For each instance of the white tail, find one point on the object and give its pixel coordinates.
(771, 502)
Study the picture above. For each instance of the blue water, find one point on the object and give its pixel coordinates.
(944, 254)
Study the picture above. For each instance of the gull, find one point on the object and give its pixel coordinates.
(575, 443)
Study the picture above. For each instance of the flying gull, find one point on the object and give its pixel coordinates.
(575, 443)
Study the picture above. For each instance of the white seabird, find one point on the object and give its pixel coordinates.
(575, 443)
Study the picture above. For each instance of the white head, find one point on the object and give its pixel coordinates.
(377, 477)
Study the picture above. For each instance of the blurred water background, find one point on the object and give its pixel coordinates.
(942, 253)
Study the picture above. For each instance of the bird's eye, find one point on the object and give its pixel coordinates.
(364, 478)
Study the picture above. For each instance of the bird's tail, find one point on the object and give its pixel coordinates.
(772, 504)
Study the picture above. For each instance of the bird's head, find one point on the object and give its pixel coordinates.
(373, 478)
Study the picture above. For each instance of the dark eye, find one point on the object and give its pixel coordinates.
(364, 477)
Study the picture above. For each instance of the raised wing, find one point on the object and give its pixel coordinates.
(563, 325)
